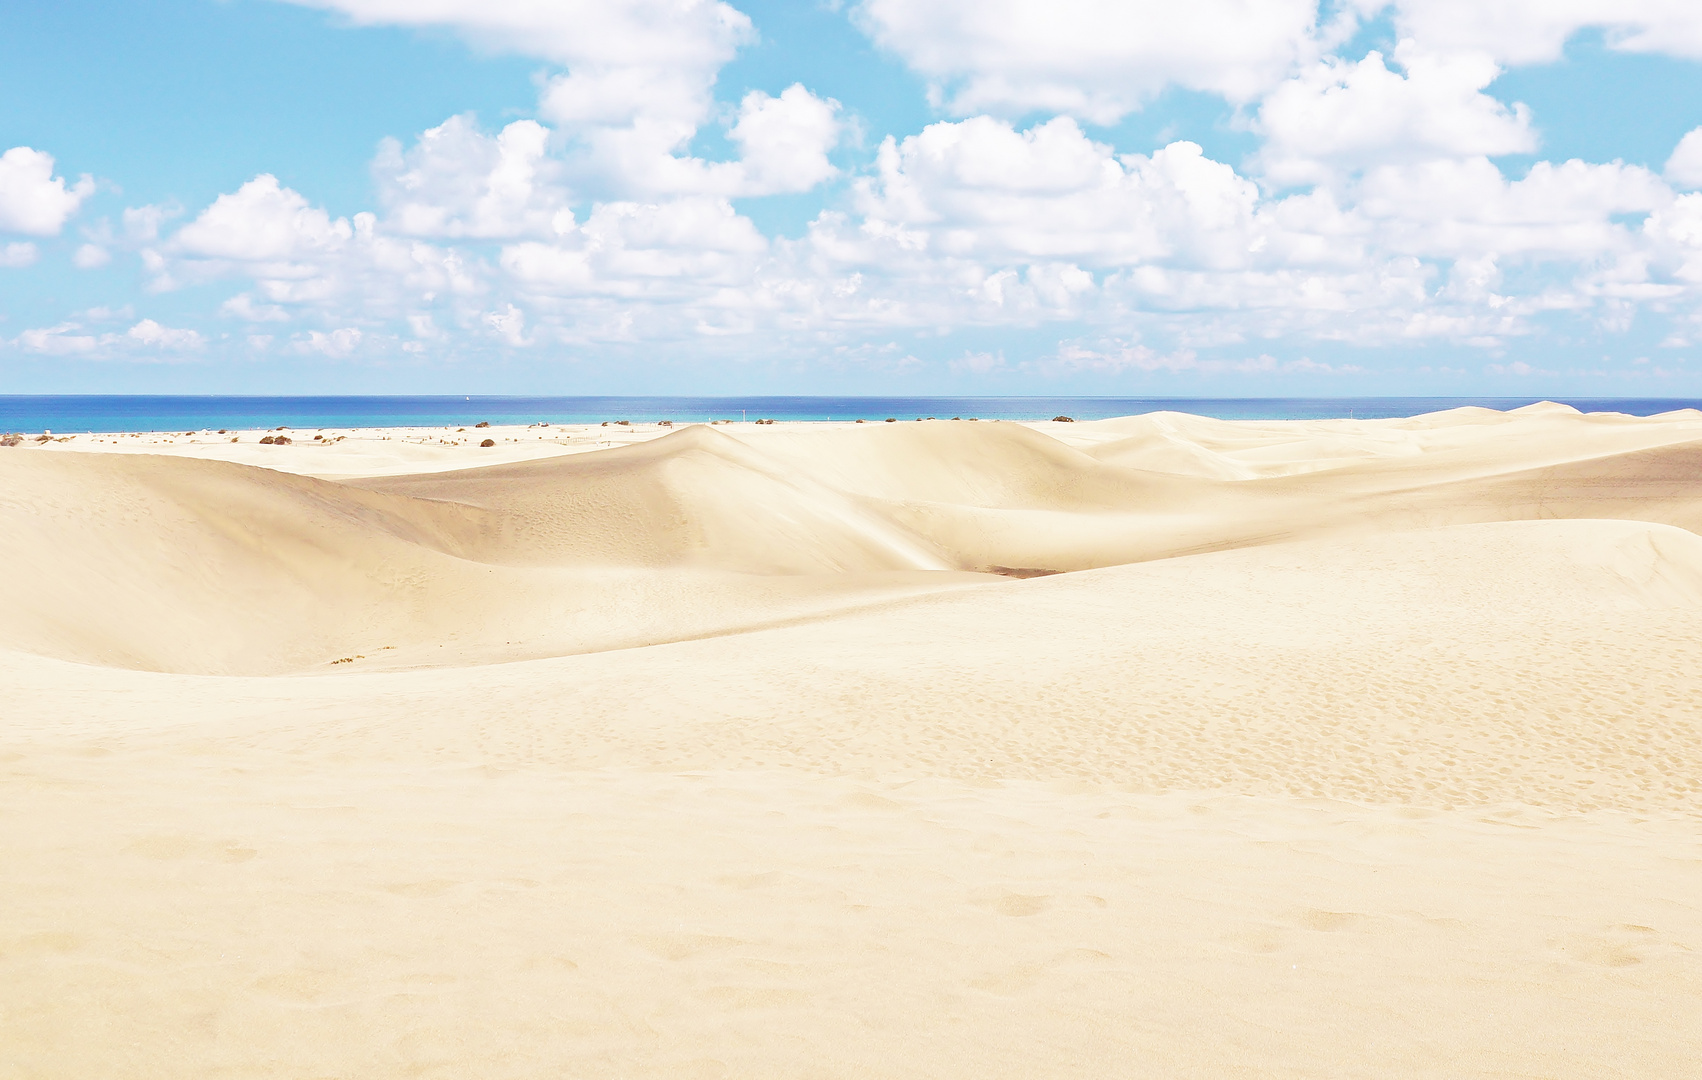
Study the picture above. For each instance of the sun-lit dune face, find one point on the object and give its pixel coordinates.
(184, 564)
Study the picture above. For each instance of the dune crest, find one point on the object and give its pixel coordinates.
(191, 565)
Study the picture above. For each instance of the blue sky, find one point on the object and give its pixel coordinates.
(1232, 197)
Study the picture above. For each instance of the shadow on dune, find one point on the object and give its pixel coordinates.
(200, 566)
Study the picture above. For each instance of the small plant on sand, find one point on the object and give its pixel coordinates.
(482, 423)
(488, 442)
(1063, 419)
(11, 438)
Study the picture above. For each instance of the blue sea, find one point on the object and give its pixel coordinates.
(75, 413)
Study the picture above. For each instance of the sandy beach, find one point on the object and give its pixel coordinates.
(1159, 746)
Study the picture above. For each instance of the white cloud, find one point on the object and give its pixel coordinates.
(784, 140)
(90, 257)
(103, 313)
(1341, 115)
(508, 325)
(1462, 208)
(262, 220)
(32, 200)
(610, 33)
(1684, 167)
(71, 339)
(1117, 356)
(639, 83)
(458, 182)
(1536, 31)
(1093, 59)
(980, 189)
(152, 334)
(242, 306)
(142, 223)
(65, 339)
(628, 131)
(17, 255)
(337, 344)
(674, 248)
(977, 363)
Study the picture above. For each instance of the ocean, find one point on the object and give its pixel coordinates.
(79, 413)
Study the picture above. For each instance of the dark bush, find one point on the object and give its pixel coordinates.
(483, 423)
(1063, 419)
(488, 442)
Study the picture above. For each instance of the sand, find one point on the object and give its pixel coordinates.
(1160, 746)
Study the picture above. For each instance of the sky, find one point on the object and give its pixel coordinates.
(1074, 197)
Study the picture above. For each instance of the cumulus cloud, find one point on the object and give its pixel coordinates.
(72, 339)
(142, 223)
(610, 33)
(1463, 208)
(979, 188)
(456, 181)
(32, 200)
(338, 344)
(597, 223)
(1117, 356)
(64, 339)
(783, 141)
(670, 248)
(1536, 31)
(152, 334)
(18, 254)
(243, 306)
(508, 325)
(1340, 115)
(90, 257)
(638, 85)
(1684, 167)
(262, 220)
(299, 256)
(1092, 59)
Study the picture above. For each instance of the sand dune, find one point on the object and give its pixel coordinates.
(1347, 748)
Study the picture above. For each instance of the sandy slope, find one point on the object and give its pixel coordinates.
(1362, 748)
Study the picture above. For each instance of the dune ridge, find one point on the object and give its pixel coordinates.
(213, 567)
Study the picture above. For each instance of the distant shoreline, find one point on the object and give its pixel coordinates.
(35, 413)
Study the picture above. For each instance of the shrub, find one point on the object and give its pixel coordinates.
(1063, 419)
(488, 442)
(483, 423)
